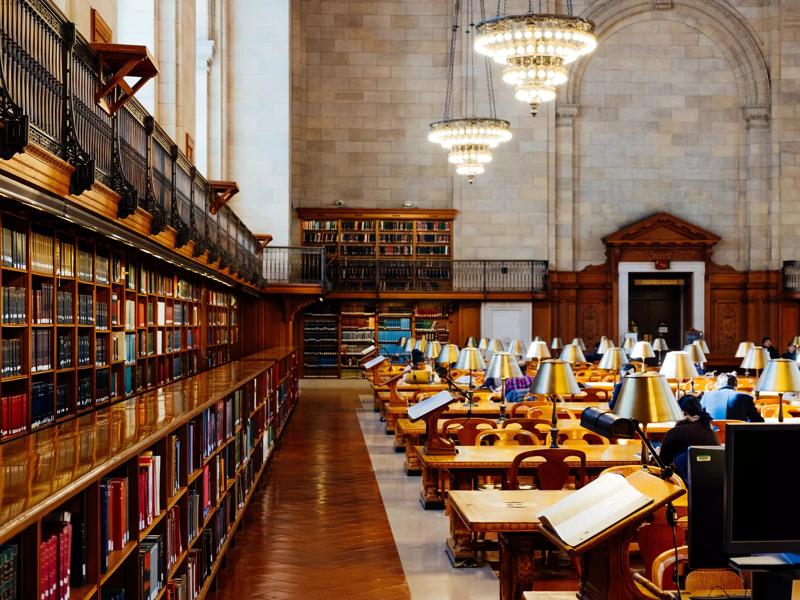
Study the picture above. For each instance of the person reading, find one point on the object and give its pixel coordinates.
(693, 430)
(725, 403)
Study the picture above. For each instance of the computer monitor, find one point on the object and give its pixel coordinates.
(761, 487)
(706, 467)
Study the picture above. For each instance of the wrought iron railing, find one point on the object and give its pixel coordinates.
(468, 276)
(48, 81)
(791, 275)
(293, 265)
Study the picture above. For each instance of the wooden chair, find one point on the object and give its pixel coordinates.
(507, 437)
(523, 407)
(546, 410)
(595, 395)
(722, 425)
(528, 424)
(772, 410)
(466, 430)
(553, 473)
(586, 439)
(663, 570)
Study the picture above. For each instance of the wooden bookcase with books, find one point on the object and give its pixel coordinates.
(368, 234)
(321, 340)
(357, 332)
(141, 499)
(87, 321)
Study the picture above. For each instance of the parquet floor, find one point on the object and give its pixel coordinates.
(317, 528)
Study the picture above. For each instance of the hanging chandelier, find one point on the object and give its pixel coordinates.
(469, 139)
(535, 49)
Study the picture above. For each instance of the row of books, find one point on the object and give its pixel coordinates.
(85, 309)
(41, 403)
(13, 414)
(101, 350)
(42, 357)
(149, 488)
(12, 357)
(84, 350)
(14, 308)
(9, 571)
(15, 249)
(152, 567)
(42, 253)
(63, 399)
(102, 315)
(55, 553)
(64, 351)
(84, 391)
(43, 304)
(85, 271)
(174, 466)
(114, 526)
(64, 307)
(433, 238)
(65, 259)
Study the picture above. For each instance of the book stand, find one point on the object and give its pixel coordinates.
(372, 365)
(431, 409)
(605, 568)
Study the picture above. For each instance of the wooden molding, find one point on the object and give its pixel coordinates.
(355, 213)
(263, 241)
(101, 31)
(222, 192)
(662, 229)
(121, 60)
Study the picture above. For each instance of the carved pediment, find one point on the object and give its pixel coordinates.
(662, 229)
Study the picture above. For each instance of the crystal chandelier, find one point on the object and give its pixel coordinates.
(470, 139)
(535, 49)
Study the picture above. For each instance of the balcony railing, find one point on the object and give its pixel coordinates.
(467, 276)
(48, 79)
(285, 265)
(791, 275)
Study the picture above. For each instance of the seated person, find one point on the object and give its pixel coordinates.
(726, 403)
(517, 388)
(418, 364)
(770, 347)
(693, 430)
(791, 352)
(624, 371)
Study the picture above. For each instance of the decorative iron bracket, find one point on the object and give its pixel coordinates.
(129, 200)
(120, 61)
(74, 154)
(13, 122)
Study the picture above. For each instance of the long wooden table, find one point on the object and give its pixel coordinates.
(460, 469)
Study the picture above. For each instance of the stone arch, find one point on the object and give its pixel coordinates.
(728, 29)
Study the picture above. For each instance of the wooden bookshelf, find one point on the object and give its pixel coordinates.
(356, 234)
(88, 321)
(175, 467)
(335, 333)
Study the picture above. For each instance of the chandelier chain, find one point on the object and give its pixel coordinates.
(487, 65)
(448, 100)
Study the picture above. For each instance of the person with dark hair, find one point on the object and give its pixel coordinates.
(767, 343)
(624, 371)
(418, 364)
(791, 351)
(693, 430)
(726, 403)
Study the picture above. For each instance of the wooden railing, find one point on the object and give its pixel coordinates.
(48, 80)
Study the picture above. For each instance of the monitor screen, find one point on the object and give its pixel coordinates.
(761, 480)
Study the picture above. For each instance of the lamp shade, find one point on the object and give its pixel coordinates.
(470, 359)
(781, 375)
(483, 344)
(647, 398)
(678, 365)
(432, 349)
(555, 377)
(556, 344)
(572, 354)
(538, 338)
(695, 352)
(613, 359)
(605, 345)
(660, 345)
(757, 358)
(420, 344)
(409, 345)
(702, 343)
(579, 343)
(628, 344)
(516, 347)
(642, 350)
(503, 365)
(743, 349)
(537, 349)
(448, 354)
(495, 345)
(795, 341)
(471, 342)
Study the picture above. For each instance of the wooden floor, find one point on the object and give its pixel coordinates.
(317, 527)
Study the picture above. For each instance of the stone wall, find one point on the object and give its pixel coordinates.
(688, 106)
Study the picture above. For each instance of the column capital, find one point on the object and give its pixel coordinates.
(756, 116)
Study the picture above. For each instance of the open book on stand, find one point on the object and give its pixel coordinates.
(593, 509)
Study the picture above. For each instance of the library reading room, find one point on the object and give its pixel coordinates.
(399, 299)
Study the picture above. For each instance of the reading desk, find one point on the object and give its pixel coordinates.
(472, 461)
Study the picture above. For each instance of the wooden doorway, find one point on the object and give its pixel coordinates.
(660, 305)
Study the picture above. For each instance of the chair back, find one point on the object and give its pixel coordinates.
(547, 410)
(466, 429)
(595, 395)
(507, 437)
(519, 409)
(553, 473)
(722, 426)
(527, 424)
(664, 566)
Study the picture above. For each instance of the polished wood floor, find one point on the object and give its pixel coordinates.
(317, 527)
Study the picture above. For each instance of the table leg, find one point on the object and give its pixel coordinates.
(460, 548)
(430, 496)
(517, 564)
(399, 440)
(390, 423)
(412, 460)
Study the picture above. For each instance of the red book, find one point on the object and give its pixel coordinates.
(4, 416)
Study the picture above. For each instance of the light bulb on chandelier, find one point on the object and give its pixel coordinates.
(535, 49)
